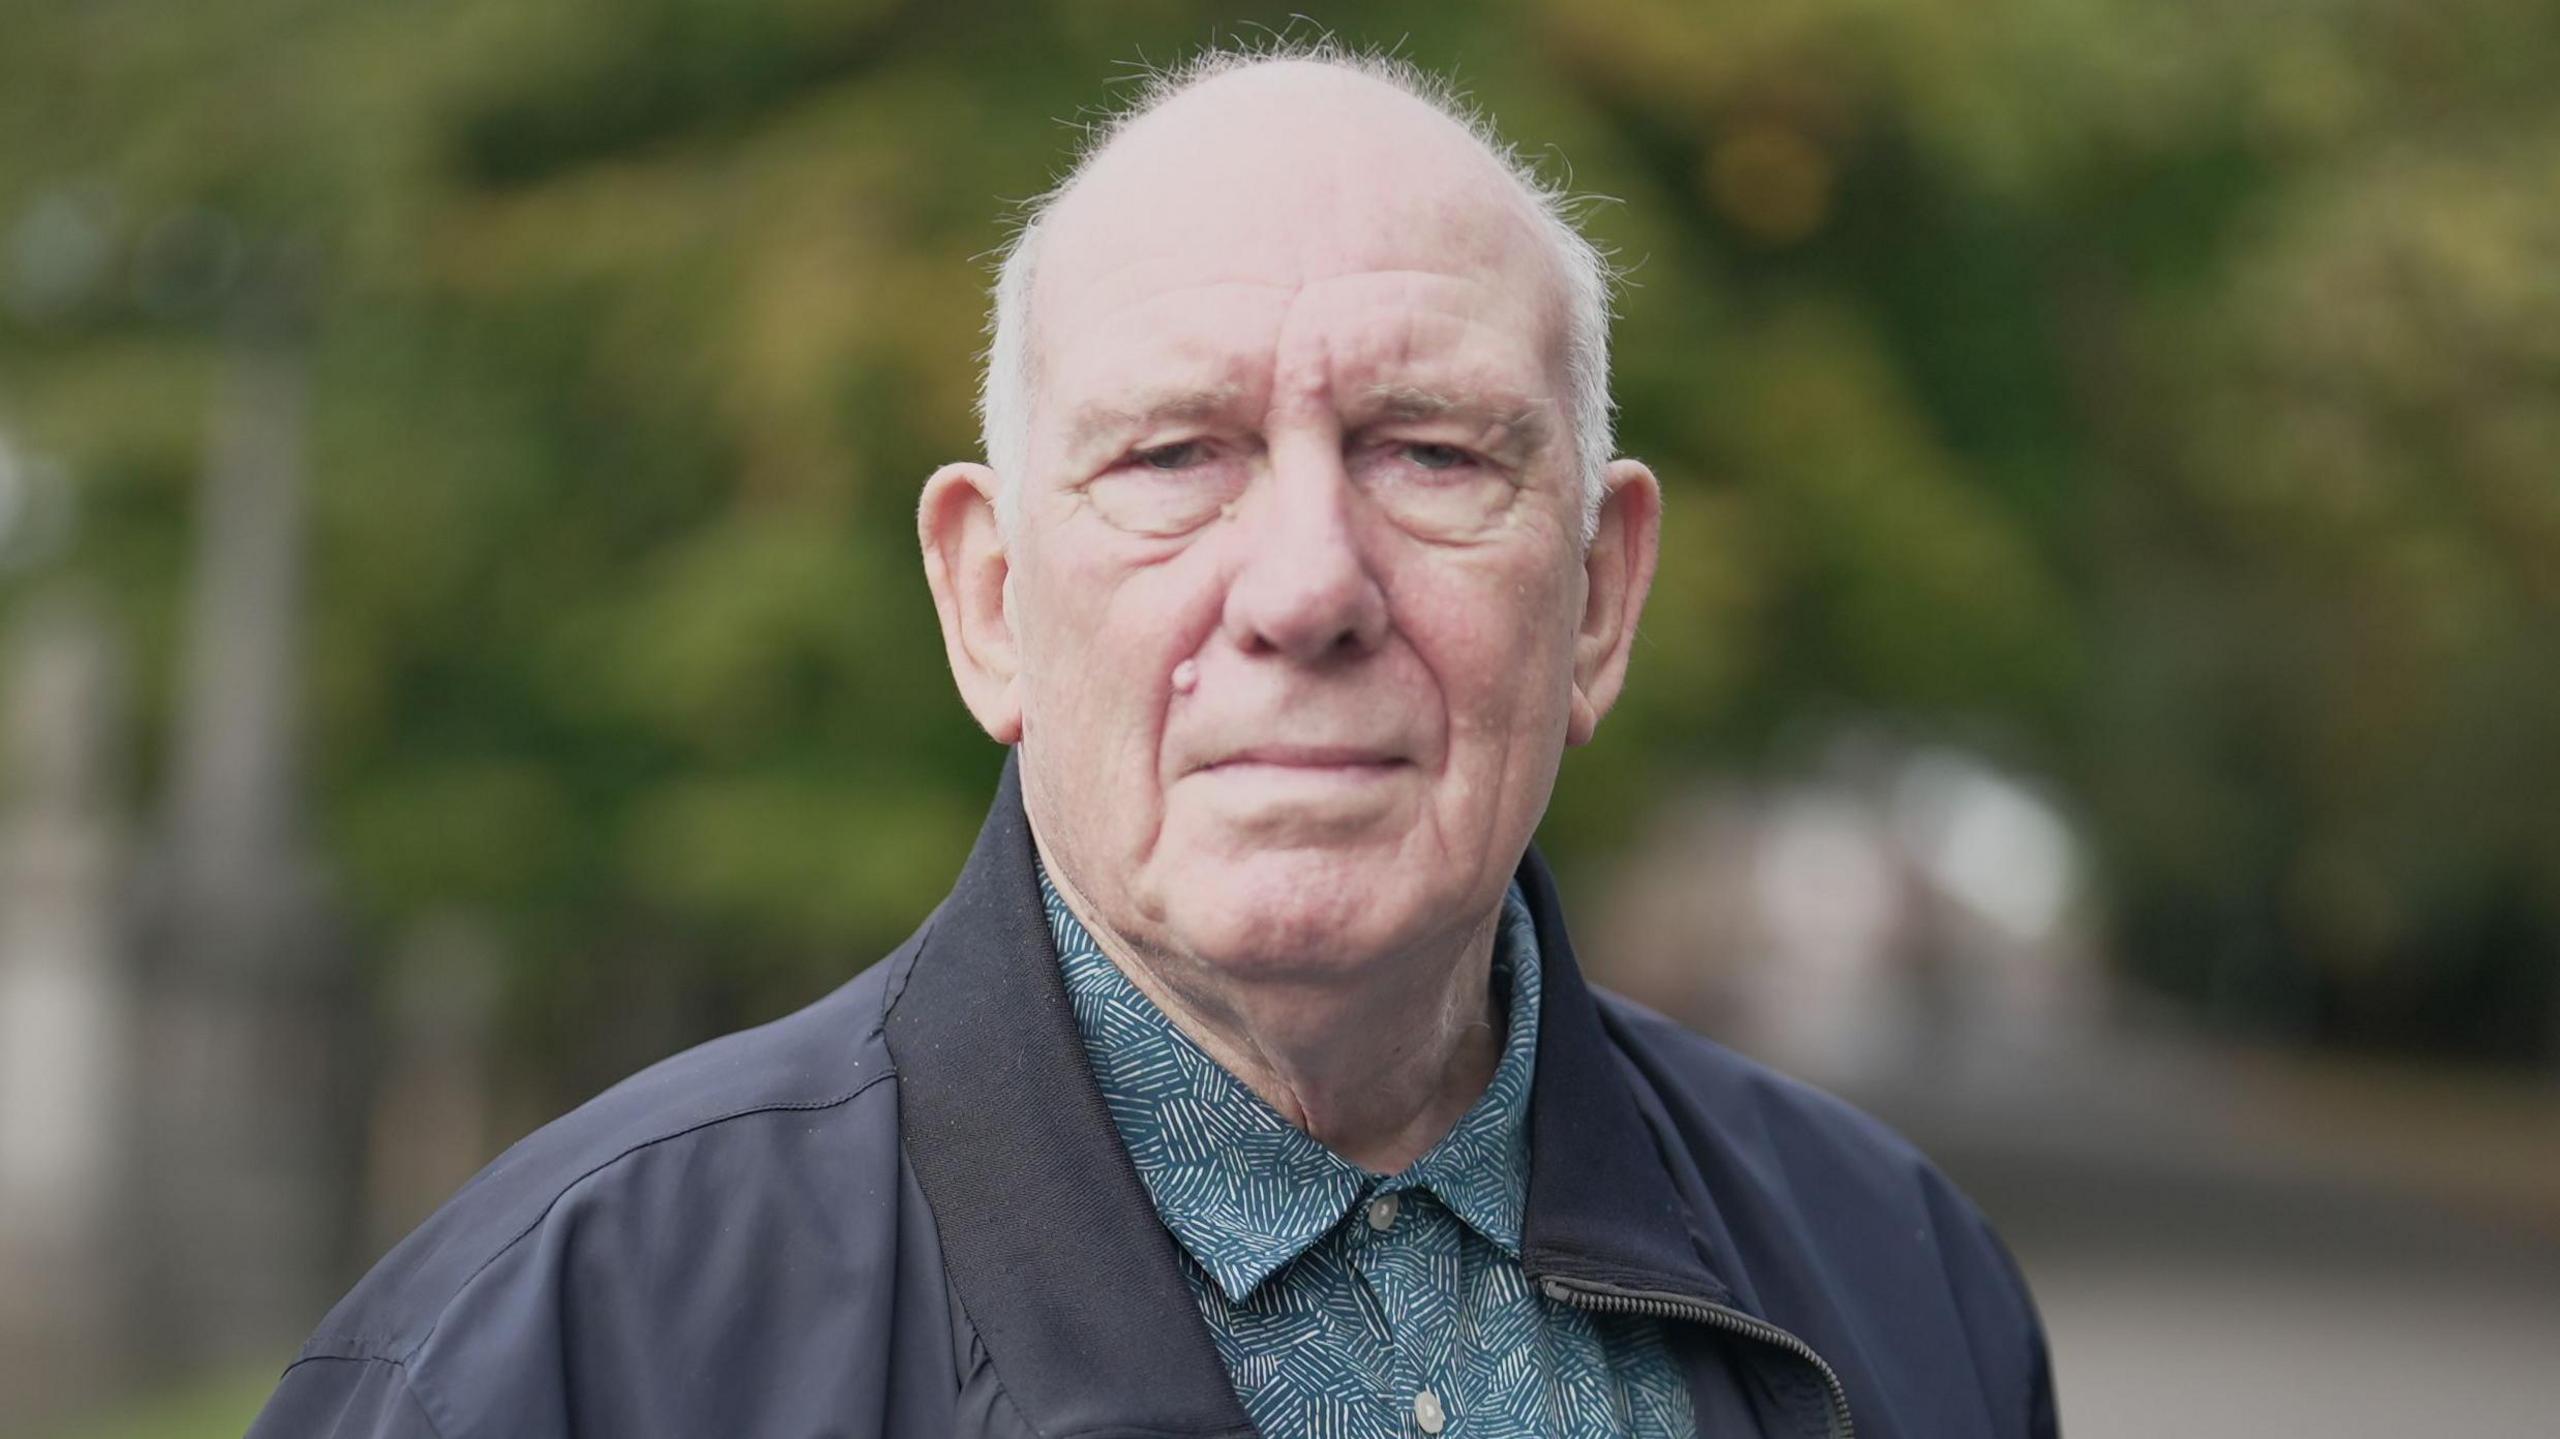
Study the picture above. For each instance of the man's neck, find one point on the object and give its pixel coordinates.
(1377, 1068)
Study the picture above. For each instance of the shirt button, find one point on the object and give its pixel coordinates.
(1382, 1217)
(1427, 1413)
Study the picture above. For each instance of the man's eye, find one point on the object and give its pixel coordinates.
(1436, 457)
(1181, 455)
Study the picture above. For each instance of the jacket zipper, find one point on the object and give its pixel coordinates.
(1652, 1304)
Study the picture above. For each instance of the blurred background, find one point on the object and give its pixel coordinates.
(461, 636)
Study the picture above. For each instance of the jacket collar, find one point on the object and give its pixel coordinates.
(1602, 1206)
(1049, 1238)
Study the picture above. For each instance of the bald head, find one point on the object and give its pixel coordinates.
(1279, 170)
(1287, 171)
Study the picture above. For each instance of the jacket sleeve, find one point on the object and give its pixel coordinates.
(2014, 1362)
(329, 1398)
(2040, 1420)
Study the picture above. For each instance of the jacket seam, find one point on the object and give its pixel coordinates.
(796, 1106)
(914, 951)
(408, 1385)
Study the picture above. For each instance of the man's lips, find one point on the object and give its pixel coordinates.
(1309, 757)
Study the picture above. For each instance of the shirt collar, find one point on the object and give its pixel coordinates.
(1242, 1189)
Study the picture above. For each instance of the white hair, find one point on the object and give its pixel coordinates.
(1007, 381)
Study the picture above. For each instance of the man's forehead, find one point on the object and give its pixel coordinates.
(1367, 345)
(1112, 415)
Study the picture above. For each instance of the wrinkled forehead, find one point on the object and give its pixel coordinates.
(1279, 181)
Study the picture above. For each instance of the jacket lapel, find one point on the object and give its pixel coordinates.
(1048, 1236)
(1601, 1206)
(1604, 1208)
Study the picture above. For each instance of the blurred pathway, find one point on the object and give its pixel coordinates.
(2205, 1350)
(2229, 1245)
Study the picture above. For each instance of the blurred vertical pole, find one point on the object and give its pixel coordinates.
(64, 1009)
(431, 1121)
(244, 1085)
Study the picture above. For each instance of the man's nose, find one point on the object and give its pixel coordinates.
(1304, 590)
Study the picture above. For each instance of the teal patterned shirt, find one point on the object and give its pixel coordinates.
(1350, 1305)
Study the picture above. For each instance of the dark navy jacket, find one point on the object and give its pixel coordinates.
(903, 1211)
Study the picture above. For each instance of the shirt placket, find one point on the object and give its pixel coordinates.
(1406, 1253)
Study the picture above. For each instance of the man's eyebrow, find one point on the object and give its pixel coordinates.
(1526, 420)
(1097, 423)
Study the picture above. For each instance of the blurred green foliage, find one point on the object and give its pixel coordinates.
(215, 1408)
(2156, 394)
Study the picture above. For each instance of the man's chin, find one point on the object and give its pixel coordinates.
(1305, 910)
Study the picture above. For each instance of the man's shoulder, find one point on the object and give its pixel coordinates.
(1779, 1154)
(1846, 1233)
(1814, 1195)
(663, 1153)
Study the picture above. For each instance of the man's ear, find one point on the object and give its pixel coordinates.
(1619, 572)
(966, 566)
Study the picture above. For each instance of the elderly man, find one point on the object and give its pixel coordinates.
(1245, 1082)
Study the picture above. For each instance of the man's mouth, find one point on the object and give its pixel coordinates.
(1311, 758)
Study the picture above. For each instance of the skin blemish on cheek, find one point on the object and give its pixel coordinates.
(1186, 677)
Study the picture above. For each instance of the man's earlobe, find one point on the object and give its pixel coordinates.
(966, 566)
(1618, 569)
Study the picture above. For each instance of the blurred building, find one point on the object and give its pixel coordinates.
(1896, 911)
